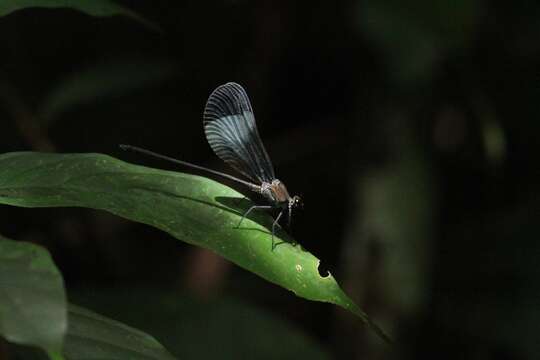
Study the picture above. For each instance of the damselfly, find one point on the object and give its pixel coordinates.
(231, 131)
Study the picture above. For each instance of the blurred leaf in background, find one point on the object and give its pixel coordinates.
(34, 311)
(90, 7)
(104, 81)
(32, 297)
(193, 328)
(92, 336)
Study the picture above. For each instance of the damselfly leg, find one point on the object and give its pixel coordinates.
(263, 207)
(276, 222)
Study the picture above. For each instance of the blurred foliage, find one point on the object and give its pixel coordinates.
(90, 7)
(191, 327)
(105, 81)
(34, 311)
(33, 301)
(92, 336)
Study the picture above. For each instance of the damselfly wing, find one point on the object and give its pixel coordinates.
(229, 125)
(231, 131)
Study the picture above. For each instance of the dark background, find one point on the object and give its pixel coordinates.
(409, 128)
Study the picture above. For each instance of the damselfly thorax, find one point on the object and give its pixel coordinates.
(276, 193)
(231, 131)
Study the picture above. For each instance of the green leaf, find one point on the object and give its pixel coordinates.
(92, 336)
(89, 7)
(32, 297)
(194, 209)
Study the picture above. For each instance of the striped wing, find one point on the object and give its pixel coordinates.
(232, 133)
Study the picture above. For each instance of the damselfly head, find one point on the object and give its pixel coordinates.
(296, 202)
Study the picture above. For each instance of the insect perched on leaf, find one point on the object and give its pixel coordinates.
(231, 131)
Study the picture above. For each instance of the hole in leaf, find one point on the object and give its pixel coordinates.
(323, 270)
